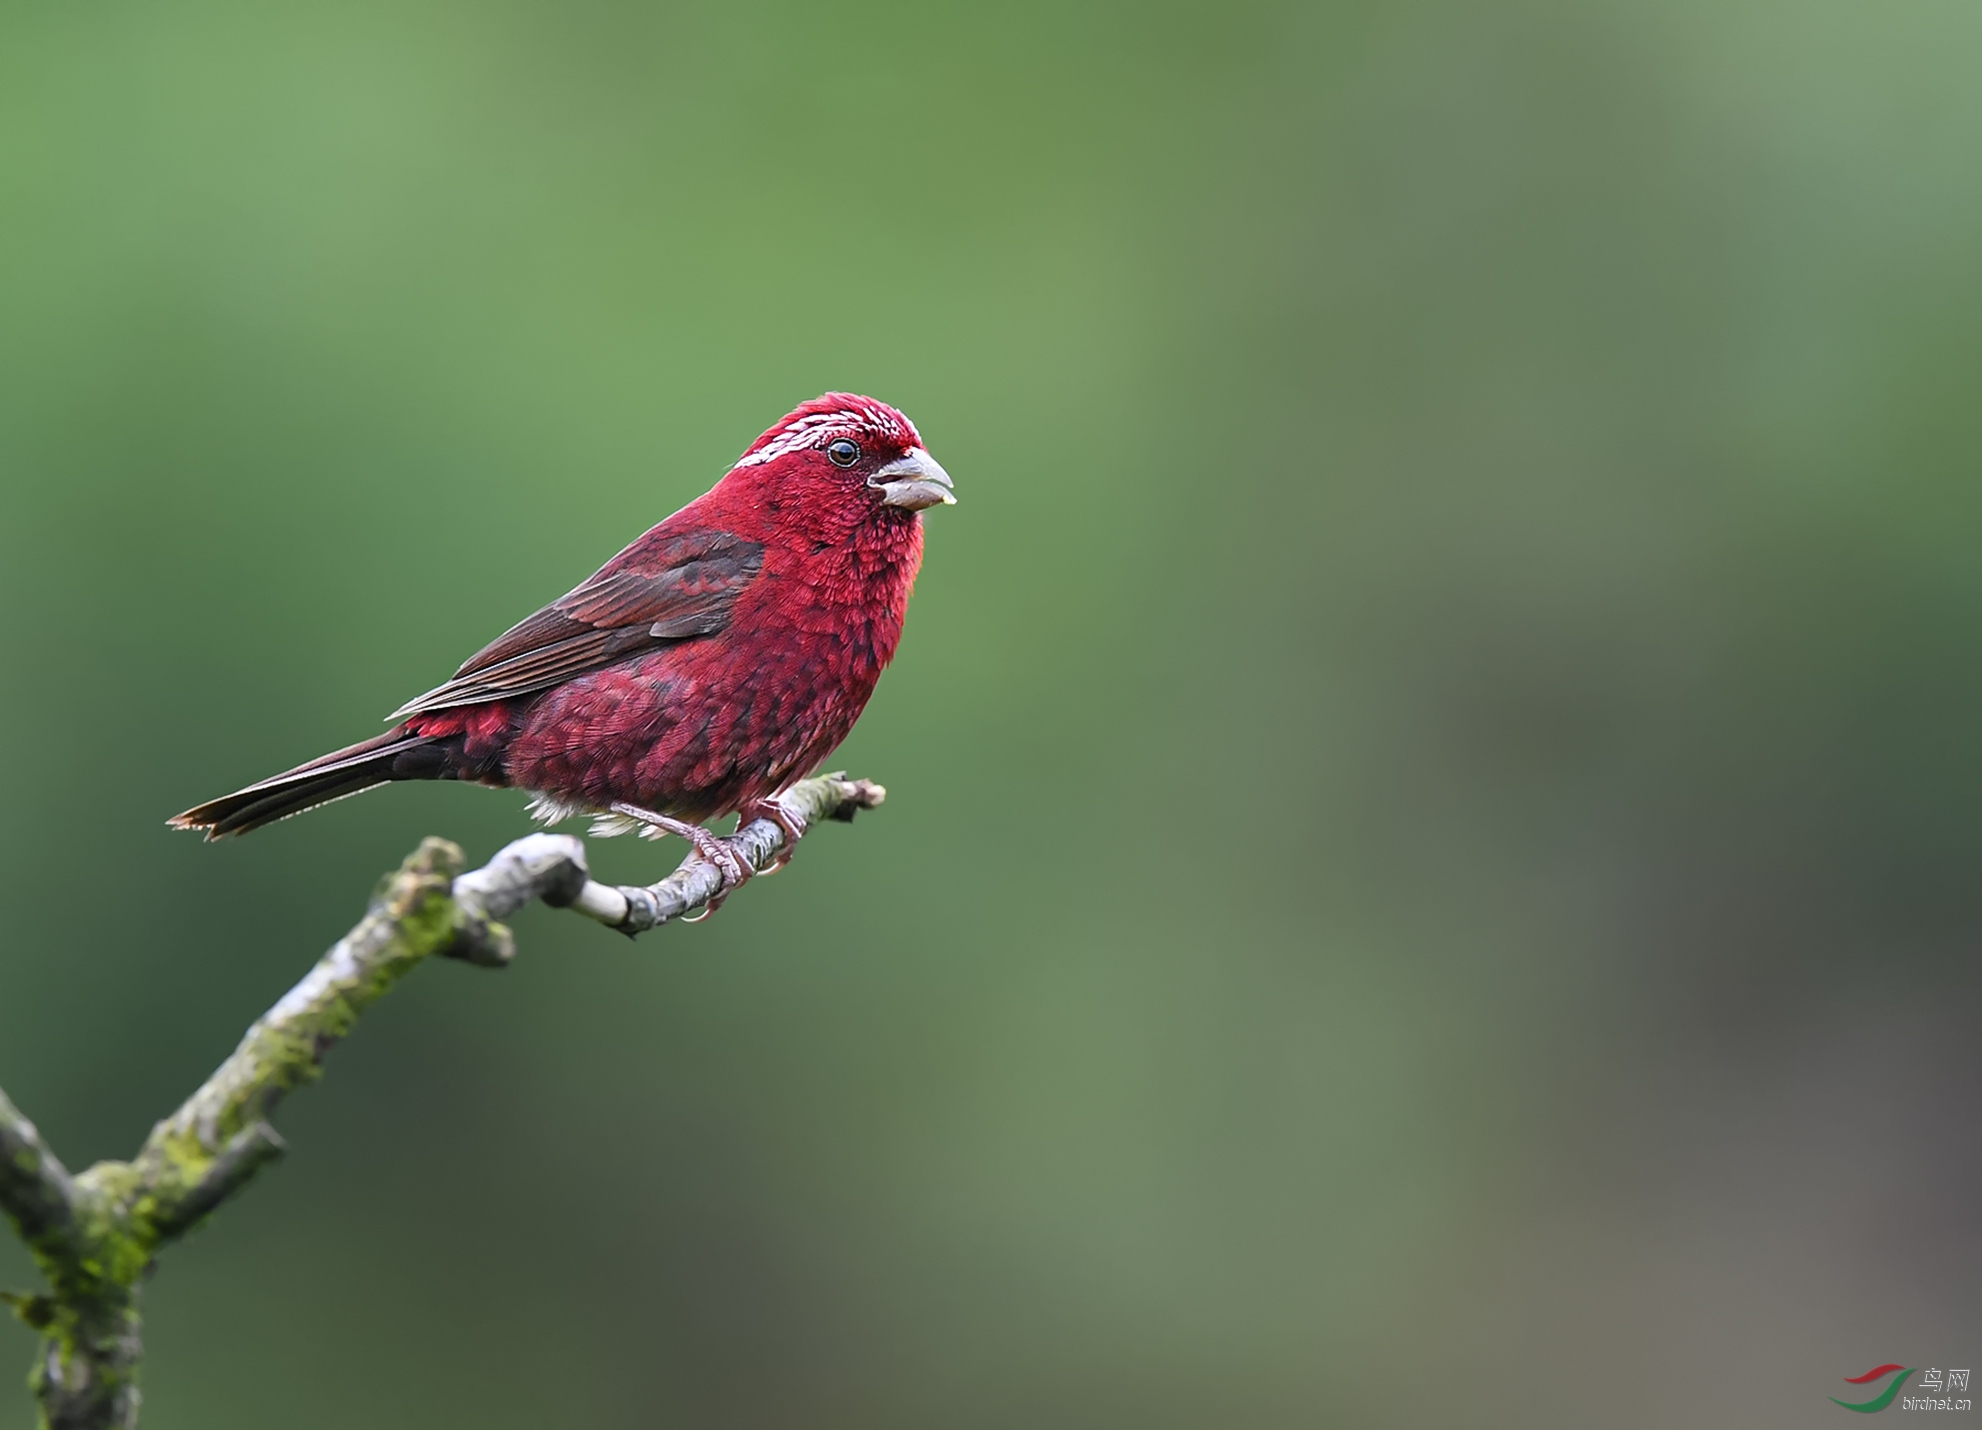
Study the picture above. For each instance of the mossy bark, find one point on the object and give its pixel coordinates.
(94, 1237)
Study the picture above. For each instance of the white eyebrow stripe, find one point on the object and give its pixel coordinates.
(816, 429)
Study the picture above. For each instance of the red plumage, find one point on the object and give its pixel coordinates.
(707, 667)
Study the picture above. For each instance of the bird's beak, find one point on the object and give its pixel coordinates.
(914, 481)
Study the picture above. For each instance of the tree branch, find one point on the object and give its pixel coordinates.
(38, 1196)
(95, 1236)
(696, 882)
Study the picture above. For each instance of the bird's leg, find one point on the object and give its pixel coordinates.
(786, 818)
(711, 847)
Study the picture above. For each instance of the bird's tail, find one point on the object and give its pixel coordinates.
(398, 754)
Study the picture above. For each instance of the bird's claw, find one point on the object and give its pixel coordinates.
(712, 849)
(789, 820)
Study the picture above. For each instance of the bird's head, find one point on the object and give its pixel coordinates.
(849, 452)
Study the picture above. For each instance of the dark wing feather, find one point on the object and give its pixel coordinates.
(684, 589)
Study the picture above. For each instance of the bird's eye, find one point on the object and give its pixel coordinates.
(844, 453)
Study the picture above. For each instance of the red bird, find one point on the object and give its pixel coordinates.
(702, 671)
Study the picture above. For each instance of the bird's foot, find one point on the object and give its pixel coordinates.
(713, 849)
(786, 818)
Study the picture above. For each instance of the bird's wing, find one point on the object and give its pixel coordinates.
(683, 589)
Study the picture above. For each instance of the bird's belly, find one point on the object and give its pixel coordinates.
(686, 731)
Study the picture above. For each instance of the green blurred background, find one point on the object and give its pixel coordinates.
(1431, 867)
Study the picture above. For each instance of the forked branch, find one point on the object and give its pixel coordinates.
(95, 1236)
